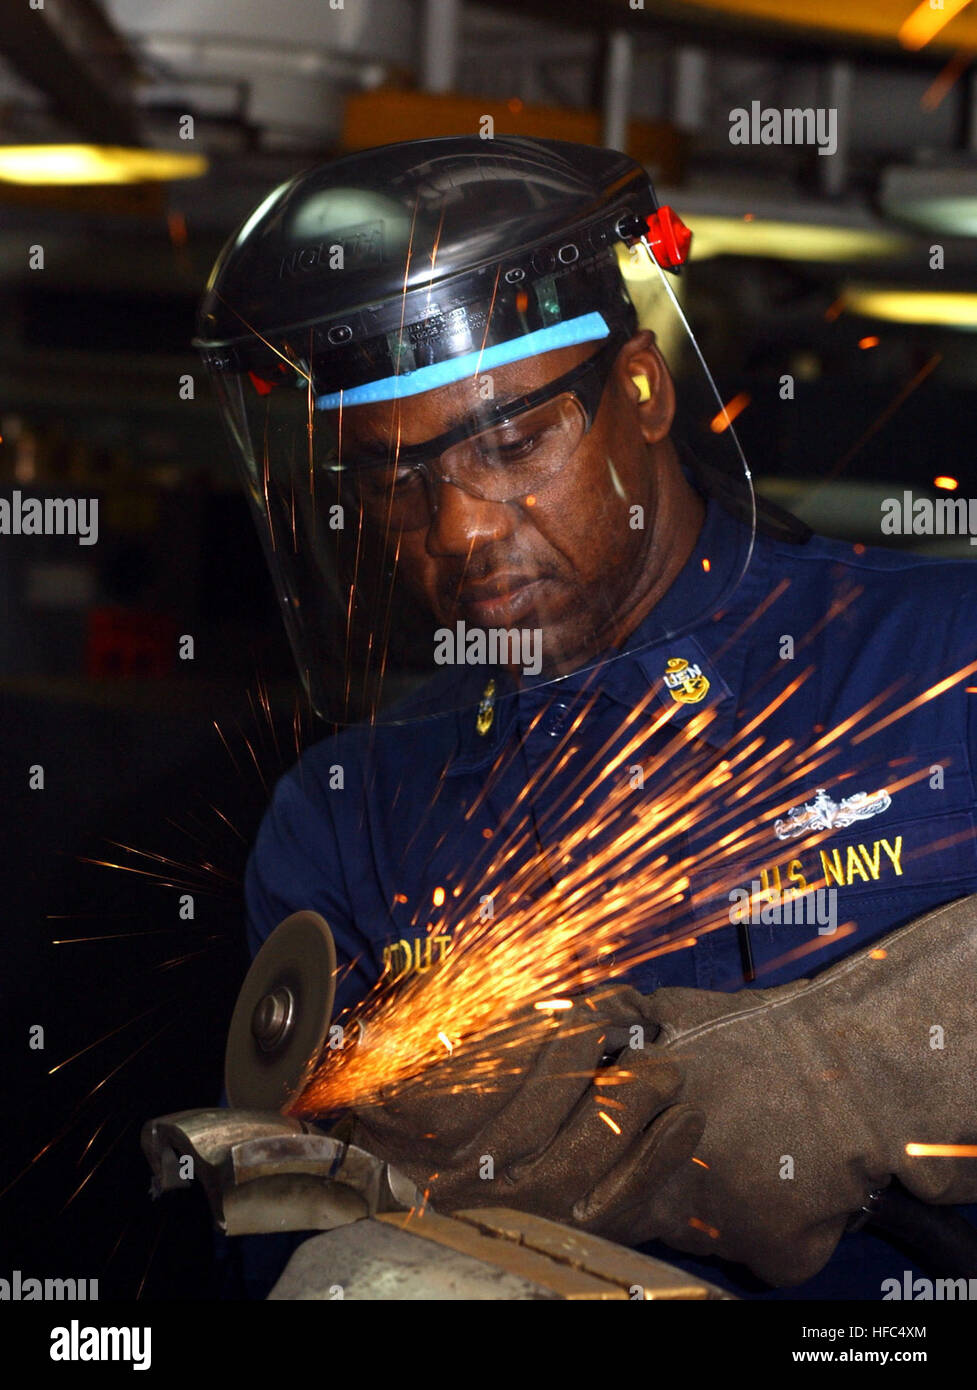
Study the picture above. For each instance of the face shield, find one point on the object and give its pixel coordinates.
(470, 484)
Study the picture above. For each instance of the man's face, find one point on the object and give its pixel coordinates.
(575, 558)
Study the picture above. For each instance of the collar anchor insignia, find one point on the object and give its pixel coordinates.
(486, 709)
(685, 683)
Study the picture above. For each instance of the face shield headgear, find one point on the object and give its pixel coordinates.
(407, 284)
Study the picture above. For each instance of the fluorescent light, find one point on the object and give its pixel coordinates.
(927, 20)
(930, 21)
(787, 241)
(93, 164)
(946, 309)
(936, 199)
(955, 216)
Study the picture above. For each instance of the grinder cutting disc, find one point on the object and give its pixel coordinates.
(282, 1015)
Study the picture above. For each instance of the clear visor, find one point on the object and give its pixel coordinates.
(517, 524)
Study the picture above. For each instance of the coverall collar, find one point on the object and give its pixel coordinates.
(713, 646)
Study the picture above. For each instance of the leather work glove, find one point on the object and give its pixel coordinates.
(540, 1125)
(812, 1091)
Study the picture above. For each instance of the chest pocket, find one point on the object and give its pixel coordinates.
(890, 829)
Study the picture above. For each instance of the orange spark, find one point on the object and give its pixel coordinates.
(817, 943)
(946, 80)
(488, 323)
(95, 1134)
(88, 1046)
(95, 1167)
(947, 483)
(112, 936)
(700, 1162)
(611, 1104)
(706, 565)
(869, 342)
(879, 953)
(729, 413)
(941, 1150)
(251, 329)
(438, 897)
(938, 689)
(710, 1231)
(609, 1122)
(176, 225)
(559, 917)
(886, 415)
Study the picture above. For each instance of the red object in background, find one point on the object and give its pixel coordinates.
(262, 387)
(265, 387)
(124, 643)
(669, 238)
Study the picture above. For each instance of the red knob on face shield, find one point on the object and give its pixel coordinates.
(669, 238)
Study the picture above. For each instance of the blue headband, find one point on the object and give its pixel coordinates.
(584, 329)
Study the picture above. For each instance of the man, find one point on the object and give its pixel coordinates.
(537, 617)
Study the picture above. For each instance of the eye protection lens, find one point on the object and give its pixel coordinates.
(508, 462)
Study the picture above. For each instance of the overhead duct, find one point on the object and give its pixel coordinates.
(72, 53)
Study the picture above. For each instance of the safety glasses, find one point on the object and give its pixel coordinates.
(507, 452)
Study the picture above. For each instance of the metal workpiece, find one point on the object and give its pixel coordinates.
(488, 1253)
(264, 1172)
(376, 1262)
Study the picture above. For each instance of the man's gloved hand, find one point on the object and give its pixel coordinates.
(811, 1092)
(540, 1123)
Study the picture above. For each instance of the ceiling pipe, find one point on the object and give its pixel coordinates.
(78, 60)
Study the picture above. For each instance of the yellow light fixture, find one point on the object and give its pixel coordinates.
(940, 308)
(93, 164)
(755, 235)
(947, 24)
(927, 20)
